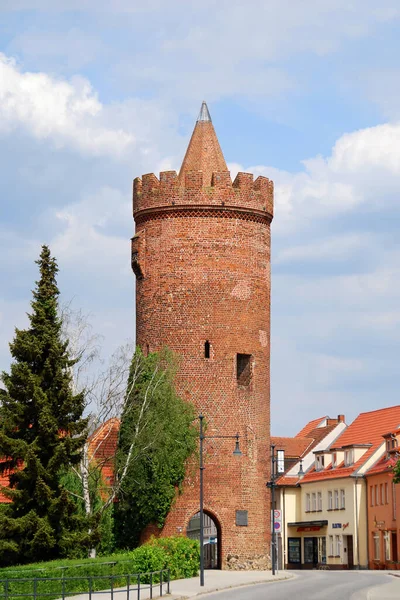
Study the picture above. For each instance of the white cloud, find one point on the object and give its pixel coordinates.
(68, 113)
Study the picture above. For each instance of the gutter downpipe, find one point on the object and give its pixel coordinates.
(284, 538)
(356, 523)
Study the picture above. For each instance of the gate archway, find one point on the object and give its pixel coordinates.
(212, 538)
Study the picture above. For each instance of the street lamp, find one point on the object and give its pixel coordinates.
(236, 452)
(277, 468)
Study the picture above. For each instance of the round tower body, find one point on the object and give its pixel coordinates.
(201, 255)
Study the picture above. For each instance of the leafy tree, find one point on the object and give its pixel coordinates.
(157, 435)
(42, 433)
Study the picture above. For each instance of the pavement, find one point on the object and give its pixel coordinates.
(215, 581)
(389, 591)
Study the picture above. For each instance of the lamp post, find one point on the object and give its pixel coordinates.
(236, 452)
(277, 467)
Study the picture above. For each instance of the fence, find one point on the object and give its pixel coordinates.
(54, 588)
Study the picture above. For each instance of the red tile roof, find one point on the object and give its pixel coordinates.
(103, 446)
(293, 447)
(310, 426)
(384, 465)
(367, 428)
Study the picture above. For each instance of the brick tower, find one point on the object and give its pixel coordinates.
(201, 256)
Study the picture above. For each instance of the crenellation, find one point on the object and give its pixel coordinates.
(244, 181)
(221, 180)
(193, 180)
(153, 193)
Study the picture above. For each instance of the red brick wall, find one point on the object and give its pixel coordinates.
(204, 257)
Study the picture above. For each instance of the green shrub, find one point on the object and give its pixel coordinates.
(183, 555)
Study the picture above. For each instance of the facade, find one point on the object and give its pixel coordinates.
(383, 499)
(327, 505)
(201, 256)
(293, 539)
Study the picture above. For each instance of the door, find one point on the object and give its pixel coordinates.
(311, 551)
(394, 546)
(350, 554)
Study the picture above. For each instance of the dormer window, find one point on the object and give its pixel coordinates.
(391, 443)
(319, 462)
(334, 460)
(348, 457)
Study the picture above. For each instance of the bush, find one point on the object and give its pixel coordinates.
(182, 553)
(147, 559)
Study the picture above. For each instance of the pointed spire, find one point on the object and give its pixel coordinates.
(204, 114)
(204, 152)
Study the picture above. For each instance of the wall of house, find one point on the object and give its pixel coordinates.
(383, 518)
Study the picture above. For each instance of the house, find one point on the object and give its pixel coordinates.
(383, 499)
(327, 521)
(299, 456)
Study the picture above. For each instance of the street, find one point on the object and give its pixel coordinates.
(320, 585)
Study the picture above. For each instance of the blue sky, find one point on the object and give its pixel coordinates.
(95, 93)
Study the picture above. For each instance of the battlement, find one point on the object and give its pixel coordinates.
(245, 193)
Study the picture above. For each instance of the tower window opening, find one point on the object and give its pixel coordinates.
(207, 347)
(243, 369)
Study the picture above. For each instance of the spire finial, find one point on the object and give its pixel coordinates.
(204, 114)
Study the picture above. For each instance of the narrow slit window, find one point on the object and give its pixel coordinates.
(207, 349)
(243, 369)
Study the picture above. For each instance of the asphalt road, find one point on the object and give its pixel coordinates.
(319, 585)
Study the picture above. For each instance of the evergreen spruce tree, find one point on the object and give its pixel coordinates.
(41, 434)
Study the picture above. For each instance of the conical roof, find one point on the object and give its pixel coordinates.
(204, 152)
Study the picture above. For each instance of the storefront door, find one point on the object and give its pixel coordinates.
(311, 551)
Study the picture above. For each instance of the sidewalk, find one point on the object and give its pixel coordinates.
(219, 580)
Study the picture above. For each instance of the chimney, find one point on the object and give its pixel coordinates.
(340, 419)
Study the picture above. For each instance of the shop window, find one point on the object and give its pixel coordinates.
(243, 369)
(294, 550)
(376, 546)
(386, 542)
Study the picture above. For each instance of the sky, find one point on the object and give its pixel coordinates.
(94, 93)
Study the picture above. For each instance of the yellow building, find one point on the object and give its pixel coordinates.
(323, 497)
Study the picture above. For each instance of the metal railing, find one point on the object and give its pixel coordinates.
(54, 588)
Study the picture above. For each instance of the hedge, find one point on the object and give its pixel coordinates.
(179, 554)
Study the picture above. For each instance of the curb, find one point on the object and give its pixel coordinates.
(230, 587)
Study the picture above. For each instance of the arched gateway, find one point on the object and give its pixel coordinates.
(212, 538)
(201, 256)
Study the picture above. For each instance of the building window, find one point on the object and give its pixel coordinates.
(331, 545)
(319, 501)
(313, 501)
(387, 493)
(294, 550)
(207, 349)
(330, 501)
(394, 500)
(377, 552)
(348, 457)
(337, 545)
(342, 499)
(372, 495)
(319, 462)
(243, 368)
(334, 460)
(336, 497)
(386, 542)
(377, 499)
(382, 494)
(308, 503)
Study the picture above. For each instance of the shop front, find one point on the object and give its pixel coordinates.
(306, 545)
